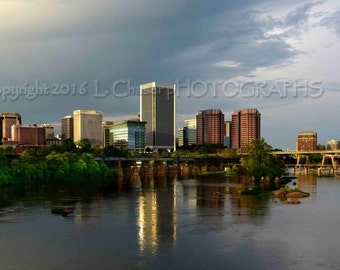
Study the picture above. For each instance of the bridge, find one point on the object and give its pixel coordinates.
(332, 154)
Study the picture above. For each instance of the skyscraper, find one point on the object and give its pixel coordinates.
(210, 127)
(7, 120)
(88, 125)
(245, 126)
(158, 110)
(67, 127)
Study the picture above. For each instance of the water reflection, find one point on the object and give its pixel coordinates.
(156, 216)
(165, 222)
(306, 183)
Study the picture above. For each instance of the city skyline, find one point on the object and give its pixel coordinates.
(277, 56)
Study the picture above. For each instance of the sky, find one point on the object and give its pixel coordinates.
(279, 56)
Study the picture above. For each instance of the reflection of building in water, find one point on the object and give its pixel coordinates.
(212, 196)
(156, 216)
(307, 183)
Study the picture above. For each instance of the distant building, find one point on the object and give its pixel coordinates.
(321, 147)
(187, 134)
(227, 134)
(49, 131)
(333, 145)
(245, 126)
(7, 120)
(210, 127)
(190, 123)
(67, 128)
(107, 138)
(130, 134)
(87, 124)
(158, 110)
(306, 141)
(32, 135)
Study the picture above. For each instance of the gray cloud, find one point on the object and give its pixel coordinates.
(72, 42)
(332, 21)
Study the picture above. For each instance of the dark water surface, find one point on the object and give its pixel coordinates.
(162, 223)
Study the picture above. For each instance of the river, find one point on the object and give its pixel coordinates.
(169, 223)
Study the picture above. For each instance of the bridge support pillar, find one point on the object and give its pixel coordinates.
(332, 159)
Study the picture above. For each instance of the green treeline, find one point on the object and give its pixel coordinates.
(54, 167)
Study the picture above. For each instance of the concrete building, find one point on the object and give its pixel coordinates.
(210, 127)
(130, 134)
(306, 141)
(245, 126)
(333, 145)
(28, 136)
(7, 120)
(158, 110)
(67, 128)
(87, 124)
(107, 138)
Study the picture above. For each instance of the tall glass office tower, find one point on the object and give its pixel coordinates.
(158, 110)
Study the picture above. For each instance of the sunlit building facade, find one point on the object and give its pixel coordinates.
(307, 141)
(245, 126)
(7, 120)
(333, 145)
(28, 136)
(227, 134)
(87, 124)
(210, 127)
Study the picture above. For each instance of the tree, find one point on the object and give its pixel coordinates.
(181, 153)
(84, 146)
(228, 153)
(96, 150)
(259, 162)
(112, 151)
(67, 145)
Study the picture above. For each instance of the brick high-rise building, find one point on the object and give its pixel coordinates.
(245, 126)
(210, 127)
(306, 141)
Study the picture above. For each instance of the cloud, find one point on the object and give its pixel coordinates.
(228, 64)
(79, 41)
